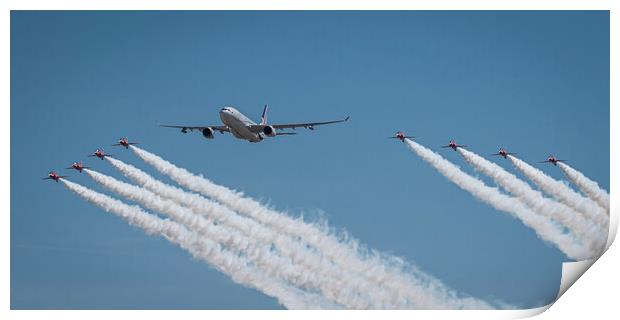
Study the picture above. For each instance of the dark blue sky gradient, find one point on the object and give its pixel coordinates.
(533, 82)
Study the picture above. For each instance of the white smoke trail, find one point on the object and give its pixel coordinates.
(584, 229)
(287, 246)
(563, 193)
(543, 227)
(230, 264)
(589, 187)
(332, 285)
(417, 289)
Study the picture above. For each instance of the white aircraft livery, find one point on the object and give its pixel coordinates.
(244, 128)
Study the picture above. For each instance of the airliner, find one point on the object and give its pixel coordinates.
(244, 128)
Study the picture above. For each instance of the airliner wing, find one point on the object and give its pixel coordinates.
(310, 125)
(184, 129)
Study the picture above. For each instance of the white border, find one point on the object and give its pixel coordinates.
(309, 5)
(594, 294)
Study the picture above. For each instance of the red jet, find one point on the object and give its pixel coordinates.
(401, 136)
(552, 159)
(78, 166)
(124, 142)
(453, 145)
(53, 176)
(99, 154)
(502, 152)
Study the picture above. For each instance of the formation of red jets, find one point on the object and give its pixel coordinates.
(124, 142)
(452, 144)
(99, 153)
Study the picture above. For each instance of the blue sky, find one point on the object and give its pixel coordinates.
(533, 82)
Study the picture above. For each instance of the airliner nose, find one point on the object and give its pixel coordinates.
(224, 113)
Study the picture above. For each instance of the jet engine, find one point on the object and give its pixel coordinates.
(269, 131)
(208, 133)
